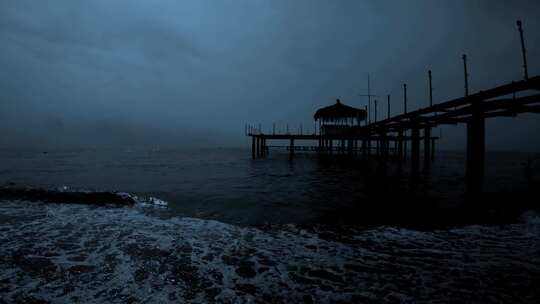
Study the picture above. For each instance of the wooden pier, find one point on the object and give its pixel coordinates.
(413, 128)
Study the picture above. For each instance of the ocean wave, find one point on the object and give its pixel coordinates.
(67, 253)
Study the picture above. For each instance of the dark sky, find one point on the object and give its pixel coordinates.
(136, 72)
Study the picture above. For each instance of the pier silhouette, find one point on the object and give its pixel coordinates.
(343, 129)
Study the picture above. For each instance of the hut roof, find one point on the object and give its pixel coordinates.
(338, 111)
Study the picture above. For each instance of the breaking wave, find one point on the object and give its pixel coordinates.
(68, 253)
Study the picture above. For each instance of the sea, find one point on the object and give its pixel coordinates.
(216, 226)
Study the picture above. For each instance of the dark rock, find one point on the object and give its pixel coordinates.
(66, 197)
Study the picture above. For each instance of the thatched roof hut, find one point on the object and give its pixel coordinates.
(339, 112)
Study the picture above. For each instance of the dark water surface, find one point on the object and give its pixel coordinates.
(239, 230)
(226, 185)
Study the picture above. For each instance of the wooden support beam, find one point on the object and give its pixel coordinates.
(433, 149)
(405, 149)
(486, 106)
(415, 150)
(330, 146)
(427, 149)
(252, 146)
(384, 145)
(499, 91)
(400, 156)
(475, 151)
(513, 112)
(291, 148)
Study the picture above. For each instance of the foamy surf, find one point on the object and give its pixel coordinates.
(150, 202)
(67, 253)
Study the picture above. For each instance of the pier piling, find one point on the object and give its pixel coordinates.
(427, 148)
(415, 149)
(253, 147)
(291, 148)
(400, 156)
(475, 149)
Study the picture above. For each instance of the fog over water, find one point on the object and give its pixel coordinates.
(169, 73)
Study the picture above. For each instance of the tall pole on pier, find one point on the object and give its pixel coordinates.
(405, 98)
(430, 90)
(366, 109)
(388, 107)
(466, 75)
(369, 98)
(375, 104)
(523, 50)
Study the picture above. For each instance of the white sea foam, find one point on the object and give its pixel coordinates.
(68, 253)
(145, 201)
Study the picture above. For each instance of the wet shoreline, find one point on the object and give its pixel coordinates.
(58, 253)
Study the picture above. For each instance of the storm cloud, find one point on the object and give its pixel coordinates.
(91, 73)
